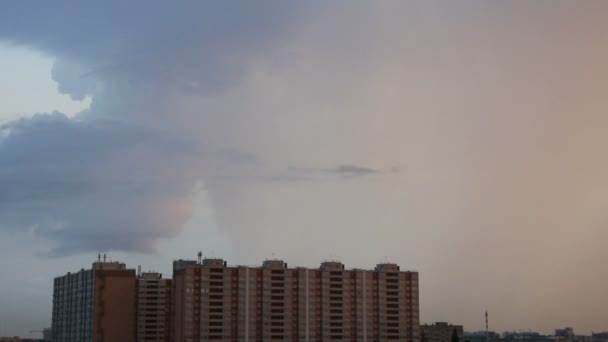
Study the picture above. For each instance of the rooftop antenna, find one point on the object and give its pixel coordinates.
(138, 270)
(104, 257)
(99, 257)
(487, 331)
(200, 257)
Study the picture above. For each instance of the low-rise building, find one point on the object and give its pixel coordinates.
(441, 332)
(599, 337)
(481, 336)
(527, 337)
(565, 334)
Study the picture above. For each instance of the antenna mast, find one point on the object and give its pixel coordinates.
(487, 331)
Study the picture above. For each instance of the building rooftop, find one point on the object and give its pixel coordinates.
(110, 265)
(280, 264)
(150, 275)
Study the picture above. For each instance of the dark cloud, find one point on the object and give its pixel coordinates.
(193, 46)
(338, 171)
(95, 185)
(120, 175)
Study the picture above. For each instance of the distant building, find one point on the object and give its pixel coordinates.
(18, 339)
(566, 334)
(481, 336)
(526, 337)
(153, 308)
(440, 332)
(97, 304)
(216, 302)
(599, 337)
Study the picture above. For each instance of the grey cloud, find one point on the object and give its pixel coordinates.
(90, 184)
(72, 79)
(200, 47)
(345, 171)
(72, 180)
(120, 175)
(353, 170)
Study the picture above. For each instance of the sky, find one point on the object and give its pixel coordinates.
(465, 140)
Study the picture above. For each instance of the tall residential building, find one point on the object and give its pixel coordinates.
(441, 332)
(215, 302)
(153, 308)
(95, 305)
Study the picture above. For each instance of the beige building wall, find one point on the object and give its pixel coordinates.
(309, 304)
(114, 312)
(249, 304)
(183, 301)
(153, 308)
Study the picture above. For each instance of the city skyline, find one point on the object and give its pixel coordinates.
(464, 140)
(208, 300)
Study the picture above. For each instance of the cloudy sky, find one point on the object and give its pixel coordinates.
(466, 140)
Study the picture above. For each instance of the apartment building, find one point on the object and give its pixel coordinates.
(153, 307)
(73, 303)
(216, 302)
(95, 305)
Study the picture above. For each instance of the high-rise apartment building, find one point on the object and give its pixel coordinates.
(95, 305)
(215, 302)
(73, 307)
(207, 300)
(153, 308)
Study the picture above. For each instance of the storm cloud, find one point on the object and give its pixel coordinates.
(94, 184)
(121, 174)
